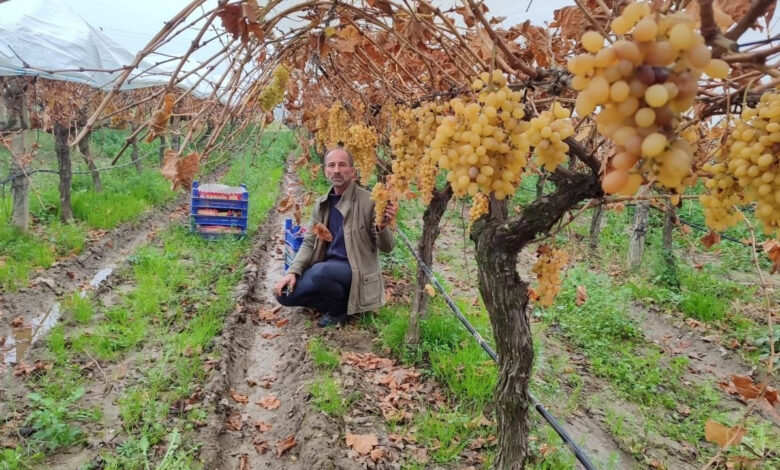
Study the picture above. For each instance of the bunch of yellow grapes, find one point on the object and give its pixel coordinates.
(361, 142)
(428, 118)
(748, 169)
(334, 128)
(483, 145)
(273, 93)
(381, 196)
(643, 82)
(547, 269)
(479, 207)
(546, 134)
(407, 148)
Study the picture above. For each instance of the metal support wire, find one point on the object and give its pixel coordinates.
(578, 452)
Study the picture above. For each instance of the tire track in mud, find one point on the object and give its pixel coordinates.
(267, 364)
(37, 304)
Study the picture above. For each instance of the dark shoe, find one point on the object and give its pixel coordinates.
(327, 320)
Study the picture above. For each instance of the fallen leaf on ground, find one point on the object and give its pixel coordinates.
(243, 462)
(270, 335)
(235, 422)
(745, 386)
(17, 322)
(322, 232)
(721, 435)
(267, 315)
(377, 454)
(262, 426)
(266, 381)
(362, 443)
(261, 446)
(285, 444)
(286, 204)
(252, 382)
(684, 410)
(282, 322)
(269, 403)
(239, 398)
(26, 369)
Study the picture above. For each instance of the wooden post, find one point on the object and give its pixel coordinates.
(62, 150)
(636, 242)
(595, 228)
(134, 143)
(17, 119)
(84, 150)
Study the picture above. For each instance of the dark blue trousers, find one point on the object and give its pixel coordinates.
(323, 287)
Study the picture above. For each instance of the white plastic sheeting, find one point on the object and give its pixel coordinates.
(37, 36)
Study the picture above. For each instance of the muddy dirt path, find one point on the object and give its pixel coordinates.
(32, 311)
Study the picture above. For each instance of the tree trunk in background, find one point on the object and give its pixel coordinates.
(136, 159)
(431, 219)
(595, 228)
(206, 134)
(636, 242)
(84, 150)
(17, 119)
(175, 136)
(162, 149)
(671, 274)
(62, 150)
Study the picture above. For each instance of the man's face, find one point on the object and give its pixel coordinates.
(337, 168)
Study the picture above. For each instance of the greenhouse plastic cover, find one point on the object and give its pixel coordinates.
(48, 35)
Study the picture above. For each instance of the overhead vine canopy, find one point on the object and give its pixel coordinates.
(344, 69)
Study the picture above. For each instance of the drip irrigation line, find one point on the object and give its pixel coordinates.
(578, 452)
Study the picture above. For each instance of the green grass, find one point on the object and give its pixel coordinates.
(183, 288)
(323, 357)
(327, 396)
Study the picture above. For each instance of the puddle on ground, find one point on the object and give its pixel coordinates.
(14, 347)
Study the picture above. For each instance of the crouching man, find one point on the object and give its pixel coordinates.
(341, 277)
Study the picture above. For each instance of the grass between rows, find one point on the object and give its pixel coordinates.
(156, 337)
(126, 194)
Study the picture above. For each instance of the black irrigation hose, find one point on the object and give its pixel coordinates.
(704, 229)
(578, 452)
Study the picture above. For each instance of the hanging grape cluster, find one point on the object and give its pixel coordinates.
(479, 207)
(381, 196)
(273, 93)
(332, 129)
(747, 169)
(547, 269)
(643, 82)
(547, 133)
(483, 145)
(361, 142)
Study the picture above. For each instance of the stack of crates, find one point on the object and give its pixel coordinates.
(293, 237)
(217, 210)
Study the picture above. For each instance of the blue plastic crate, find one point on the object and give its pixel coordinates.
(293, 238)
(224, 210)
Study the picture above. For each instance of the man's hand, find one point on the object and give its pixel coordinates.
(288, 280)
(390, 210)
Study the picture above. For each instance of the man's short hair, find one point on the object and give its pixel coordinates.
(340, 147)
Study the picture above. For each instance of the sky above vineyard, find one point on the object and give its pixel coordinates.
(132, 24)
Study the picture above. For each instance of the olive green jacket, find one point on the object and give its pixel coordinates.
(362, 241)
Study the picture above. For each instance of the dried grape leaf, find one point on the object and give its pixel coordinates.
(772, 250)
(269, 403)
(285, 444)
(710, 239)
(721, 435)
(262, 426)
(234, 421)
(362, 443)
(239, 398)
(582, 295)
(286, 204)
(160, 118)
(322, 232)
